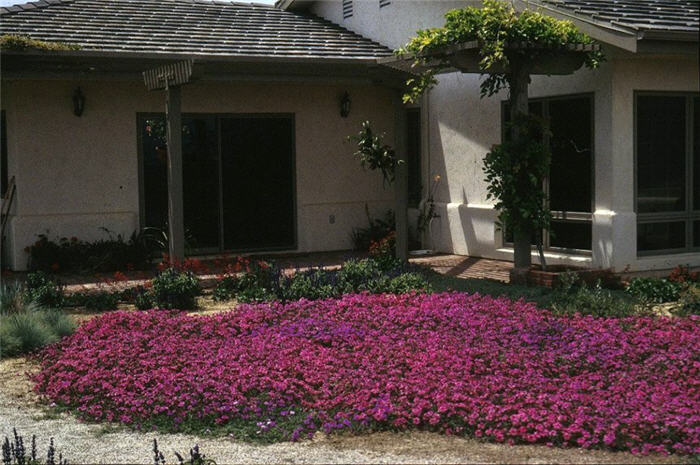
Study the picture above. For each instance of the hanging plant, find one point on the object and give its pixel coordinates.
(374, 154)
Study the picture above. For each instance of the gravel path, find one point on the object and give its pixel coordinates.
(91, 443)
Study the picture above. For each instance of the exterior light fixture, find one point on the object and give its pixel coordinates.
(78, 102)
(345, 105)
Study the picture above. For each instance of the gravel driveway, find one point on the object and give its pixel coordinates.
(91, 443)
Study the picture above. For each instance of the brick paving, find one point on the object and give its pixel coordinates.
(459, 266)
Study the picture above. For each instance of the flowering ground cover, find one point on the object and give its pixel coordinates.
(457, 363)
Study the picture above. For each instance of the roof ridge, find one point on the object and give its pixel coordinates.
(33, 5)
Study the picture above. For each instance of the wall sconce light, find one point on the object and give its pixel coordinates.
(78, 102)
(345, 105)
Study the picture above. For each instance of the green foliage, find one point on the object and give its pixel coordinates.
(374, 154)
(21, 42)
(690, 300)
(43, 290)
(408, 282)
(74, 255)
(515, 172)
(143, 298)
(654, 290)
(99, 301)
(376, 230)
(33, 328)
(13, 299)
(496, 26)
(310, 284)
(370, 275)
(574, 296)
(175, 289)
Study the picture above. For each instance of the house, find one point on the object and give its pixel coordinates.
(266, 162)
(624, 186)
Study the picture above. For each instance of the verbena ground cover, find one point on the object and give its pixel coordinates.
(451, 362)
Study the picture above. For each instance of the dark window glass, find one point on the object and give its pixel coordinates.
(570, 186)
(661, 236)
(660, 154)
(155, 171)
(257, 156)
(696, 234)
(200, 172)
(3, 154)
(413, 153)
(696, 153)
(256, 180)
(570, 234)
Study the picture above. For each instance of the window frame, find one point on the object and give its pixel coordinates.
(561, 215)
(690, 215)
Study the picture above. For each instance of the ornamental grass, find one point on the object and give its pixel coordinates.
(455, 363)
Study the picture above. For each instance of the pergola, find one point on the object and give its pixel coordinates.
(465, 58)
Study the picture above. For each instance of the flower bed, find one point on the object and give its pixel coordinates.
(456, 363)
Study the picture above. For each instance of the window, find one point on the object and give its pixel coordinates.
(569, 186)
(3, 154)
(383, 3)
(347, 9)
(413, 155)
(667, 174)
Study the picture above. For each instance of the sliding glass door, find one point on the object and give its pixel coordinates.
(238, 176)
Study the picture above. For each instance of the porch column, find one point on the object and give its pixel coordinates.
(401, 179)
(176, 223)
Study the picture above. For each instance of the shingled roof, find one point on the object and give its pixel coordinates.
(188, 27)
(637, 15)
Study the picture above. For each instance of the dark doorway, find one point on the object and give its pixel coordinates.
(238, 175)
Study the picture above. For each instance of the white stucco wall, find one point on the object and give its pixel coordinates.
(76, 175)
(462, 127)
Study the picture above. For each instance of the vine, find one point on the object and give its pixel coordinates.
(495, 26)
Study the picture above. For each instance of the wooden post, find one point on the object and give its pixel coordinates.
(519, 81)
(401, 179)
(176, 223)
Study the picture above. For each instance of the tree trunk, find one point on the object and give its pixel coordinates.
(519, 80)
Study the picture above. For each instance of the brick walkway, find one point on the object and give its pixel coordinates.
(462, 266)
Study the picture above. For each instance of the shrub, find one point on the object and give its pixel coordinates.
(99, 301)
(690, 300)
(654, 290)
(376, 230)
(43, 290)
(143, 298)
(408, 282)
(358, 275)
(13, 298)
(682, 274)
(574, 296)
(32, 329)
(74, 255)
(175, 289)
(309, 284)
(453, 363)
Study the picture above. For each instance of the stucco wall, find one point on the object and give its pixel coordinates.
(462, 127)
(77, 175)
